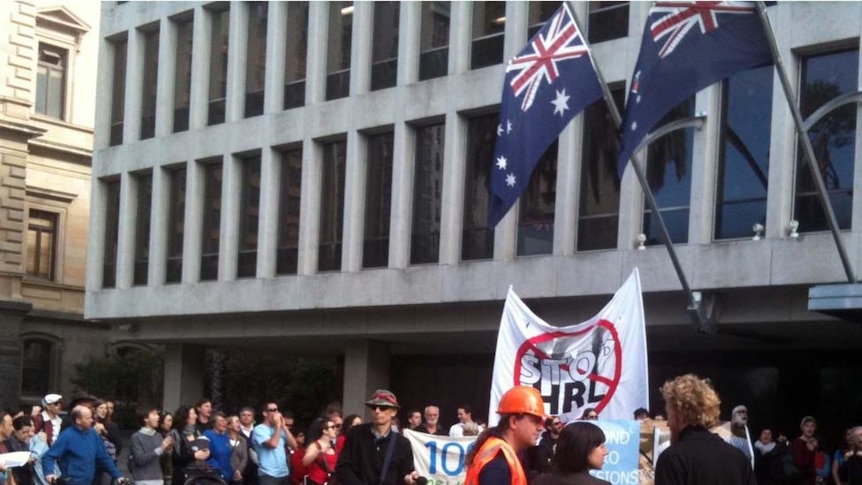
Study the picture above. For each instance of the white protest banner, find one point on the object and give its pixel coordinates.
(600, 363)
(622, 439)
(440, 459)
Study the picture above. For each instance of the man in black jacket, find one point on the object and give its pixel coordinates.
(696, 456)
(364, 456)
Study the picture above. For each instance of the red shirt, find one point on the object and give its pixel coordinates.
(316, 471)
(297, 469)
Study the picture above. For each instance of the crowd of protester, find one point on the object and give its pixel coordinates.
(266, 447)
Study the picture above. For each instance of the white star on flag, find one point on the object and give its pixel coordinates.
(499, 130)
(501, 163)
(561, 103)
(510, 180)
(508, 126)
(634, 125)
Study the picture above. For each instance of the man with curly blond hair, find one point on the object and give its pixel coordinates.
(696, 456)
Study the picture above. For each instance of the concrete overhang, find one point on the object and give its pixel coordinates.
(838, 300)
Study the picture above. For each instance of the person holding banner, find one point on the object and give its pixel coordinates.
(580, 448)
(494, 457)
(697, 456)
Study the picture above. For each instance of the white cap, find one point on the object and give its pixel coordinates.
(51, 399)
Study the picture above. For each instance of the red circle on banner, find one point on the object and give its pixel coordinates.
(612, 382)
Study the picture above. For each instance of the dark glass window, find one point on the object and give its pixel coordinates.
(35, 367)
(288, 212)
(118, 92)
(255, 59)
(824, 78)
(477, 241)
(296, 52)
(599, 208)
(41, 243)
(743, 167)
(211, 231)
(427, 193)
(51, 81)
(338, 50)
(489, 23)
(608, 20)
(384, 48)
(669, 175)
(112, 233)
(378, 197)
(176, 225)
(249, 217)
(434, 39)
(183, 75)
(540, 12)
(151, 80)
(332, 206)
(142, 229)
(536, 215)
(219, 45)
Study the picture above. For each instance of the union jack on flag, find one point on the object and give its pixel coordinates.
(674, 20)
(538, 61)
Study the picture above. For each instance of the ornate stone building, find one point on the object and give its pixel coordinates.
(48, 58)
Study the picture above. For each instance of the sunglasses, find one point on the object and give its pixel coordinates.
(377, 407)
(272, 410)
(332, 426)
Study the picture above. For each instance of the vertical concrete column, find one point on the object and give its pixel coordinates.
(360, 55)
(782, 143)
(105, 80)
(505, 234)
(568, 188)
(309, 205)
(201, 52)
(452, 196)
(267, 230)
(236, 62)
(128, 226)
(167, 74)
(184, 374)
(134, 87)
(460, 29)
(401, 204)
(228, 245)
(96, 236)
(276, 40)
(193, 238)
(315, 66)
(704, 166)
(366, 369)
(354, 202)
(409, 37)
(159, 227)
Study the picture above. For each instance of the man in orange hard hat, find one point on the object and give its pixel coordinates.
(494, 458)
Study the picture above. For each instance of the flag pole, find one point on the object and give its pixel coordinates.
(807, 149)
(695, 307)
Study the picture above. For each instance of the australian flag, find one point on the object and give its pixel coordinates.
(547, 84)
(687, 46)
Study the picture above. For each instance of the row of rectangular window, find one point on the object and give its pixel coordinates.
(740, 200)
(486, 50)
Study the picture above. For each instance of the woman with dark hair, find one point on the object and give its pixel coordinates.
(320, 454)
(350, 421)
(590, 414)
(580, 448)
(166, 422)
(185, 435)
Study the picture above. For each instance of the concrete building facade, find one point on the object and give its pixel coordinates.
(48, 54)
(311, 178)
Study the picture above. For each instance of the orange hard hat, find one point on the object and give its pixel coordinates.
(522, 400)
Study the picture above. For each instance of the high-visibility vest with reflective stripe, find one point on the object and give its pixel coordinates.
(488, 452)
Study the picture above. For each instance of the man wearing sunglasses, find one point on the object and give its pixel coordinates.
(268, 440)
(373, 453)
